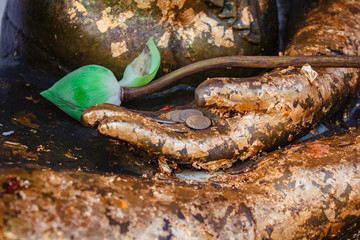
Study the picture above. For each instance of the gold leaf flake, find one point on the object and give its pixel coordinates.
(144, 4)
(309, 73)
(118, 48)
(109, 21)
(79, 6)
(164, 40)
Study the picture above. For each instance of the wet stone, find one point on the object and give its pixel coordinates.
(198, 122)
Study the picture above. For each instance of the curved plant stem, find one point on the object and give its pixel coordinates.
(239, 61)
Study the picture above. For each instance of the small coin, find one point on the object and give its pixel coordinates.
(168, 115)
(174, 116)
(198, 122)
(164, 121)
(184, 114)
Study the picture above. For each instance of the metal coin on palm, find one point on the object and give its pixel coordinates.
(184, 114)
(168, 115)
(174, 116)
(198, 122)
(169, 122)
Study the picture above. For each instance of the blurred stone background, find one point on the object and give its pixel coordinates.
(2, 7)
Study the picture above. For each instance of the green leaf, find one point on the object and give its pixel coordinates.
(143, 68)
(82, 88)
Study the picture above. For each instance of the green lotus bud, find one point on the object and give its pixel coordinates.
(94, 84)
(143, 68)
(82, 88)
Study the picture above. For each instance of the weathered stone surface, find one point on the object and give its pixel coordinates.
(308, 191)
(250, 115)
(56, 180)
(112, 33)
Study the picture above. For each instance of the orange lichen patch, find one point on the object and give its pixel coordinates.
(317, 150)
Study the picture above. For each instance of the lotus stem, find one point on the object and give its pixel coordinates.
(238, 61)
